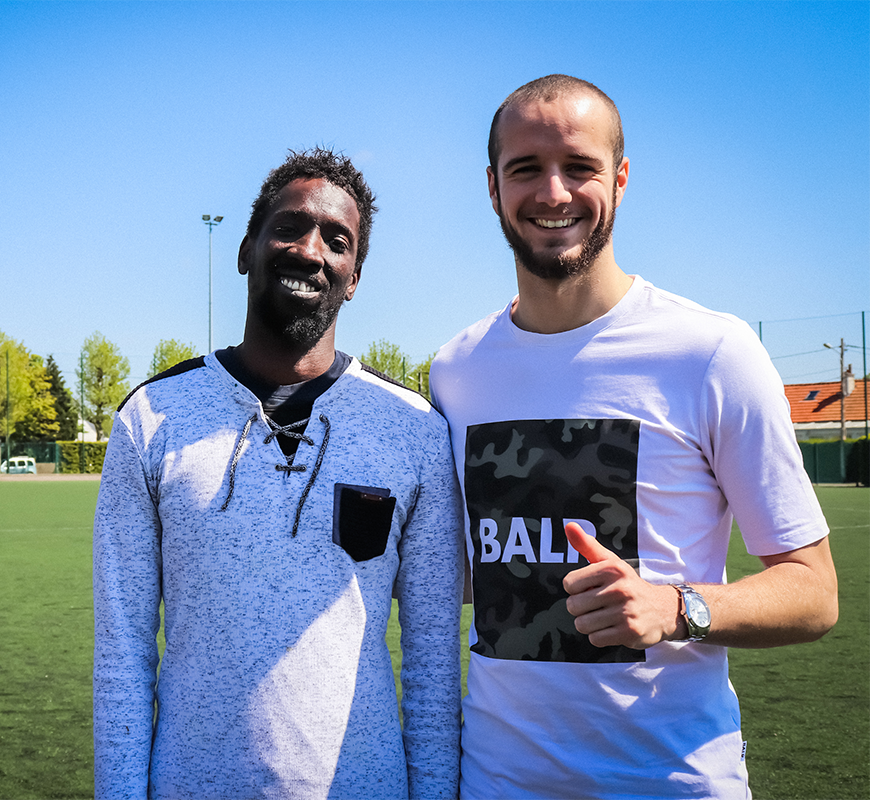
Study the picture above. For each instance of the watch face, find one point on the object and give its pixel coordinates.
(697, 611)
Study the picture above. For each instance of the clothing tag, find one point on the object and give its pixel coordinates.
(743, 754)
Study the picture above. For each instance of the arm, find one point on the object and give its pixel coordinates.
(126, 620)
(429, 591)
(792, 600)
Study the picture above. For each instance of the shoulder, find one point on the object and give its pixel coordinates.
(471, 336)
(386, 410)
(184, 368)
(719, 350)
(376, 392)
(664, 305)
(470, 341)
(682, 326)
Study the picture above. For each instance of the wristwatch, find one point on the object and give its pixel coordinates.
(695, 611)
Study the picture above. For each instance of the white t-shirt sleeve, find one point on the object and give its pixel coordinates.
(752, 448)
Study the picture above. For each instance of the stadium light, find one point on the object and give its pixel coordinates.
(207, 219)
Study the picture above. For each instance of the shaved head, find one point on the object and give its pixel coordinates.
(546, 90)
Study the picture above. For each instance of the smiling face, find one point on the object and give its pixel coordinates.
(556, 191)
(301, 265)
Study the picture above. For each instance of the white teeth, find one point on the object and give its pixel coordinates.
(298, 286)
(555, 223)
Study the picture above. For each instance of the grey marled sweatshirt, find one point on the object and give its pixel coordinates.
(276, 681)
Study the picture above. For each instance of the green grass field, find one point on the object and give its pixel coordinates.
(806, 708)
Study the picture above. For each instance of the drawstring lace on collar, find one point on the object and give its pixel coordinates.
(288, 430)
(284, 430)
(242, 439)
(314, 472)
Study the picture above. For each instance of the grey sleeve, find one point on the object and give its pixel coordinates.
(429, 590)
(127, 570)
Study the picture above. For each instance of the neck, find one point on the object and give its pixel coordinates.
(283, 362)
(555, 306)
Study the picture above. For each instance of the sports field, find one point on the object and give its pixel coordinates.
(806, 709)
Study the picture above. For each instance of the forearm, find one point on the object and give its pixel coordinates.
(792, 600)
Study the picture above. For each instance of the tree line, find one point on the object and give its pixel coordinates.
(36, 405)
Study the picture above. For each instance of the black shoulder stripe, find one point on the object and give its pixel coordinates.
(178, 369)
(382, 376)
(388, 379)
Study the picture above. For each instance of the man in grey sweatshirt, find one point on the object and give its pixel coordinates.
(274, 497)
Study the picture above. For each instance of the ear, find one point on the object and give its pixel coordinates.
(493, 190)
(350, 291)
(244, 256)
(621, 181)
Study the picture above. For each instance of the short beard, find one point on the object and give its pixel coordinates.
(309, 330)
(302, 328)
(561, 265)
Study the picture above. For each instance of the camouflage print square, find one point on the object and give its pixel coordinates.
(524, 479)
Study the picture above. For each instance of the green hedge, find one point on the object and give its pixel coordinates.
(858, 463)
(822, 460)
(73, 460)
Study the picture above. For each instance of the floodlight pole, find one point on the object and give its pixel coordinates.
(207, 219)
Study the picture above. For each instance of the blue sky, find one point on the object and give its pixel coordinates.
(122, 123)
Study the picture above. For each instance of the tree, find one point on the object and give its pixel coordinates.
(13, 383)
(26, 406)
(168, 353)
(104, 374)
(64, 404)
(386, 357)
(39, 423)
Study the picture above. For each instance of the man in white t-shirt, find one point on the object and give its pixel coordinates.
(599, 419)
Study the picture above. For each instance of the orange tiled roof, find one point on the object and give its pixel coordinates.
(824, 406)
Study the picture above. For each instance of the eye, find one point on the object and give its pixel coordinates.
(525, 169)
(286, 229)
(339, 245)
(580, 169)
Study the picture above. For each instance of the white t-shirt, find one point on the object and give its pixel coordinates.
(649, 426)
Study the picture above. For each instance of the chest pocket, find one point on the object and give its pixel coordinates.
(362, 517)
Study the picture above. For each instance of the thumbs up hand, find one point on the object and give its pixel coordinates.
(612, 604)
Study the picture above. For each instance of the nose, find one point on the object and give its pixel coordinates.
(553, 191)
(309, 246)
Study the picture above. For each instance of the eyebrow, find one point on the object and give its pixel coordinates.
(531, 159)
(329, 222)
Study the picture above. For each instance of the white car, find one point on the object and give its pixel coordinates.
(19, 465)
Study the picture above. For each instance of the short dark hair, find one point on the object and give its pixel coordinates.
(546, 90)
(318, 162)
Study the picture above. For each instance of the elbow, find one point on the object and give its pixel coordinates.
(823, 620)
(832, 614)
(829, 612)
